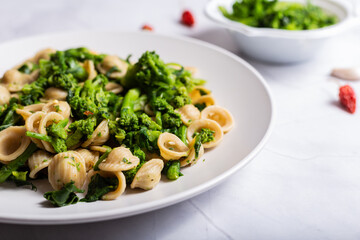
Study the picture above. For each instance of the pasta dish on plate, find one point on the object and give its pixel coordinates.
(95, 123)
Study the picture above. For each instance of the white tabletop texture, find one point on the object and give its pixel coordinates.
(305, 183)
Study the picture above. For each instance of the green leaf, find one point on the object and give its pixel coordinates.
(64, 196)
(98, 187)
(7, 170)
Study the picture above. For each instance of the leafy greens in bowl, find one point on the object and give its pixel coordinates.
(279, 45)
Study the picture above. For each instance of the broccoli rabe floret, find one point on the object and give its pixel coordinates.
(149, 71)
(56, 135)
(116, 131)
(90, 99)
(206, 135)
(130, 174)
(148, 122)
(79, 129)
(8, 115)
(144, 139)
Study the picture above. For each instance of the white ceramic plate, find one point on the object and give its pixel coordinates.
(235, 84)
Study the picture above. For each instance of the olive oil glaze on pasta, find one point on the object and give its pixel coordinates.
(96, 123)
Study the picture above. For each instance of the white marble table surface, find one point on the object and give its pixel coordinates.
(305, 184)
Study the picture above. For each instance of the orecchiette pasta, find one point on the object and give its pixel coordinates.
(121, 183)
(189, 113)
(119, 159)
(46, 120)
(208, 100)
(28, 110)
(110, 62)
(90, 69)
(43, 54)
(32, 124)
(99, 136)
(199, 91)
(80, 88)
(148, 175)
(4, 95)
(61, 107)
(13, 142)
(171, 147)
(99, 148)
(192, 158)
(53, 93)
(38, 161)
(14, 80)
(66, 167)
(114, 87)
(197, 125)
(119, 190)
(90, 157)
(219, 114)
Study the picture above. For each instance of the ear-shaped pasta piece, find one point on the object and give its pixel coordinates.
(149, 175)
(13, 142)
(61, 107)
(197, 125)
(38, 161)
(110, 62)
(29, 110)
(32, 124)
(43, 54)
(48, 119)
(120, 188)
(90, 157)
(99, 136)
(66, 167)
(220, 115)
(189, 113)
(208, 100)
(14, 80)
(192, 70)
(90, 69)
(171, 147)
(53, 93)
(191, 158)
(99, 149)
(114, 87)
(4, 95)
(199, 91)
(119, 159)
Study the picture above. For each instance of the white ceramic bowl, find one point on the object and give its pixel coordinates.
(282, 46)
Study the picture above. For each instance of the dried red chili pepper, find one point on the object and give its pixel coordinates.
(147, 27)
(187, 18)
(347, 98)
(87, 113)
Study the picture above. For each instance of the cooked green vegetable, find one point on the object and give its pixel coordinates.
(102, 158)
(280, 15)
(98, 187)
(172, 170)
(7, 170)
(8, 115)
(65, 196)
(57, 135)
(137, 112)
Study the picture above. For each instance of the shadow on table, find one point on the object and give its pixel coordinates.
(141, 226)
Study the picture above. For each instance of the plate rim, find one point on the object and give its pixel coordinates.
(160, 203)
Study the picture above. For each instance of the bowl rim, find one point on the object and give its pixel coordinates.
(346, 23)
